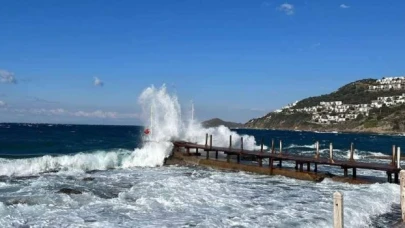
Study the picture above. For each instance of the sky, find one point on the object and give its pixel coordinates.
(88, 61)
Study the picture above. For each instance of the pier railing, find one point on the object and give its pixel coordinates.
(393, 167)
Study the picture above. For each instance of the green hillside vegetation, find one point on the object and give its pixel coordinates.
(282, 120)
(352, 93)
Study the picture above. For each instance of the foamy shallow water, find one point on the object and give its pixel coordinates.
(187, 197)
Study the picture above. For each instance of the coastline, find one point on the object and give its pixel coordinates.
(377, 131)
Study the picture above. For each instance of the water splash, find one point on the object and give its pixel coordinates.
(169, 125)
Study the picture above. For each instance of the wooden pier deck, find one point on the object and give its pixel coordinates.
(300, 161)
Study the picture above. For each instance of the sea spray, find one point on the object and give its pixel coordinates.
(162, 112)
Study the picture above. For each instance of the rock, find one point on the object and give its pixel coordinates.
(25, 177)
(16, 201)
(330, 175)
(69, 191)
(88, 179)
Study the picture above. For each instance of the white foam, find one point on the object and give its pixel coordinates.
(181, 196)
(81, 162)
(300, 146)
(168, 124)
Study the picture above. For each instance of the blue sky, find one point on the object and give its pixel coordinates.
(235, 59)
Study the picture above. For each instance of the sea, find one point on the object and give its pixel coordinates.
(58, 175)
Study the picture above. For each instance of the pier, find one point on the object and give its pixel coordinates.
(234, 157)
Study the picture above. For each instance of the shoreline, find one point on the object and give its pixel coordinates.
(331, 131)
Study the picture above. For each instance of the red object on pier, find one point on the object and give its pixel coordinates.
(146, 131)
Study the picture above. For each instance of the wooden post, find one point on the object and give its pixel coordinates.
(337, 210)
(261, 148)
(281, 146)
(351, 152)
(331, 152)
(241, 147)
(271, 165)
(398, 157)
(316, 168)
(272, 146)
(206, 139)
(210, 141)
(216, 154)
(228, 157)
(389, 177)
(317, 149)
(402, 193)
(345, 171)
(393, 155)
(308, 166)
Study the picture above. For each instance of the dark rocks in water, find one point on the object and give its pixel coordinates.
(16, 179)
(88, 179)
(328, 174)
(16, 201)
(94, 171)
(90, 220)
(50, 171)
(69, 191)
(25, 177)
(106, 194)
(4, 178)
(319, 179)
(100, 170)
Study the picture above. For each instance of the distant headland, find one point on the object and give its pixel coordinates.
(215, 122)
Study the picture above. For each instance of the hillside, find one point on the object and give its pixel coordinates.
(353, 108)
(217, 122)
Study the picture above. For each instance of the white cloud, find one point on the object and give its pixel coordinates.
(2, 104)
(7, 77)
(80, 113)
(97, 114)
(343, 6)
(58, 111)
(287, 8)
(98, 82)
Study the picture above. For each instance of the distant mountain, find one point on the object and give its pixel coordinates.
(217, 122)
(367, 105)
